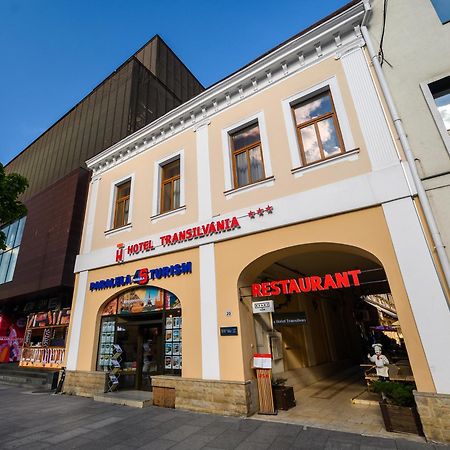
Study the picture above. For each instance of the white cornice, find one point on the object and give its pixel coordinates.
(323, 41)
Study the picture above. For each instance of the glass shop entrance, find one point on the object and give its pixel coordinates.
(140, 336)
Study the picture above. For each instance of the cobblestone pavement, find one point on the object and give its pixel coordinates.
(38, 420)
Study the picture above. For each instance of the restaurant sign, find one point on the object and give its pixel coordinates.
(329, 281)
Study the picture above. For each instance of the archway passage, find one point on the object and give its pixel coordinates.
(146, 325)
(332, 302)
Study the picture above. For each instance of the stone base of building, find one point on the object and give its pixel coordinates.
(231, 398)
(434, 411)
(85, 384)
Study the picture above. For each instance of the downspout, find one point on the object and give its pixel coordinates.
(429, 217)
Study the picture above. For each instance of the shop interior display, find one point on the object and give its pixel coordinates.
(45, 339)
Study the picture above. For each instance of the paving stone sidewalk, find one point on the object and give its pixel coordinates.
(38, 420)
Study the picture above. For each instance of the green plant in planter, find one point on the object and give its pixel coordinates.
(278, 382)
(399, 394)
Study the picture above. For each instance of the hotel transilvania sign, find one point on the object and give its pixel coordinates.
(214, 227)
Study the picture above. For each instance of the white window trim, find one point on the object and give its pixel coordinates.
(434, 111)
(112, 202)
(344, 124)
(350, 156)
(226, 148)
(157, 173)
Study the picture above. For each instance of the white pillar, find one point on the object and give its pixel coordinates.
(203, 173)
(427, 300)
(77, 320)
(371, 117)
(209, 322)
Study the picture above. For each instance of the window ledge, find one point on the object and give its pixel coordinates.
(351, 155)
(269, 181)
(158, 217)
(113, 231)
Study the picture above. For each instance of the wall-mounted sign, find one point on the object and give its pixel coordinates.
(265, 306)
(208, 229)
(228, 331)
(132, 249)
(329, 281)
(262, 361)
(142, 276)
(289, 319)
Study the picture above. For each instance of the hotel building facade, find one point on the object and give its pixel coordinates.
(284, 181)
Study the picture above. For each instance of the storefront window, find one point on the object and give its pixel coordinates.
(146, 324)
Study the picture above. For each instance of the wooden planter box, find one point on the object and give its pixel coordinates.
(163, 396)
(403, 419)
(283, 397)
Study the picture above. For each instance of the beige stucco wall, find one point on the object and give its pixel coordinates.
(269, 101)
(143, 168)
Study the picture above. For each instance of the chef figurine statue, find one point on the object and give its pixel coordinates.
(381, 362)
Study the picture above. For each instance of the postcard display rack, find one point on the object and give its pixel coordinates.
(172, 346)
(44, 343)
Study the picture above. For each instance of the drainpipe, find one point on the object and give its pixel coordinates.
(439, 246)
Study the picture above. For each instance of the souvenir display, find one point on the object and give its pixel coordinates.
(44, 345)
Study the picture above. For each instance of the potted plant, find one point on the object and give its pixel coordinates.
(398, 407)
(283, 396)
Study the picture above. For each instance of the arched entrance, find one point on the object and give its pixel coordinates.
(322, 328)
(146, 323)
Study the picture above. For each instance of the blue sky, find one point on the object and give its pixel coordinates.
(54, 52)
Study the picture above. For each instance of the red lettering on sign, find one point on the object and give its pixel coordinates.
(275, 289)
(354, 274)
(293, 286)
(305, 284)
(337, 280)
(316, 284)
(342, 279)
(265, 289)
(256, 290)
(329, 282)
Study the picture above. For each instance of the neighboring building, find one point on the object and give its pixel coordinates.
(284, 180)
(416, 49)
(36, 269)
(416, 53)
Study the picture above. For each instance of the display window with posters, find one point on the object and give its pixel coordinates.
(146, 324)
(12, 331)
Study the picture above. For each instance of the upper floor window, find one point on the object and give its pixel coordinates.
(8, 257)
(442, 8)
(441, 93)
(170, 186)
(318, 130)
(248, 164)
(122, 204)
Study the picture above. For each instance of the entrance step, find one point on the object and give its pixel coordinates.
(135, 399)
(12, 374)
(366, 398)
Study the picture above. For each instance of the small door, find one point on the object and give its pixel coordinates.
(151, 355)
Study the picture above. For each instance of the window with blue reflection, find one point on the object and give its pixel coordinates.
(442, 8)
(8, 257)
